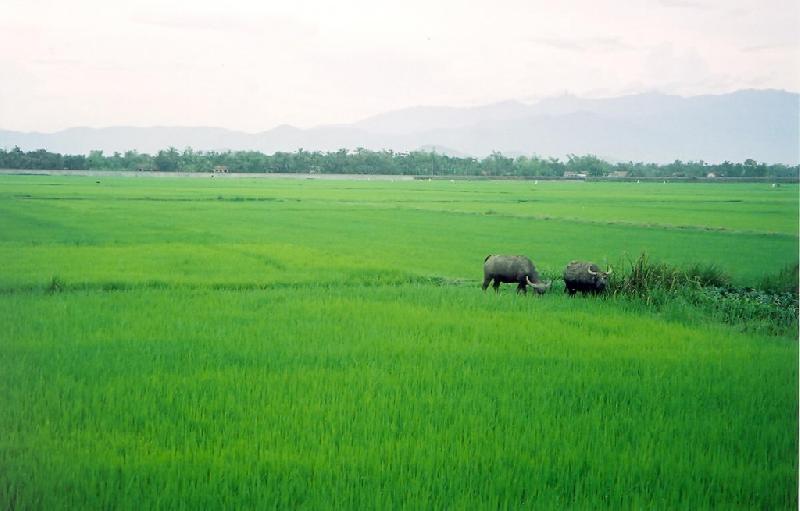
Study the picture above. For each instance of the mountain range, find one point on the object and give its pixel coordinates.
(760, 124)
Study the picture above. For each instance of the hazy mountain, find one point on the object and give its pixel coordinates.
(439, 149)
(423, 118)
(758, 124)
(125, 138)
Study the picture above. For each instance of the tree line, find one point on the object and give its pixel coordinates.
(364, 161)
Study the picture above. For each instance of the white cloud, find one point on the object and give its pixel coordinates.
(252, 65)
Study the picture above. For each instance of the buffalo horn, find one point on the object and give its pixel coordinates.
(589, 269)
(541, 285)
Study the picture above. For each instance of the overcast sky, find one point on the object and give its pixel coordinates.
(251, 65)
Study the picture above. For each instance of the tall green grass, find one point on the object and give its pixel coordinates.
(706, 291)
(404, 396)
(304, 344)
(178, 231)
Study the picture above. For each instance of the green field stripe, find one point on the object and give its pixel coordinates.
(388, 280)
(588, 221)
(402, 397)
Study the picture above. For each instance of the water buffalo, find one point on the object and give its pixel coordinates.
(585, 277)
(512, 269)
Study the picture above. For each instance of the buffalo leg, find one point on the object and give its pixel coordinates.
(496, 285)
(521, 288)
(485, 283)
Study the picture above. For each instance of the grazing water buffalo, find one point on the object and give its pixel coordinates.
(585, 277)
(512, 269)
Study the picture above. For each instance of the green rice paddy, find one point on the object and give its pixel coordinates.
(260, 343)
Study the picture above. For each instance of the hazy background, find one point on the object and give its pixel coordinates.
(250, 66)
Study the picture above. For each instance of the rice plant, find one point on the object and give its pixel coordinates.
(288, 344)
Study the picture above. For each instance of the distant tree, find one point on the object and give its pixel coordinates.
(167, 161)
(535, 166)
(589, 164)
(751, 168)
(365, 161)
(11, 159)
(281, 162)
(48, 160)
(75, 162)
(497, 165)
(96, 160)
(334, 163)
(133, 160)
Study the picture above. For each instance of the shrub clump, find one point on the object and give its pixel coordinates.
(56, 285)
(770, 308)
(785, 281)
(752, 309)
(648, 280)
(708, 275)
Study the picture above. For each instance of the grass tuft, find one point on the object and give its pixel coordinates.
(785, 281)
(708, 274)
(56, 285)
(704, 290)
(646, 279)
